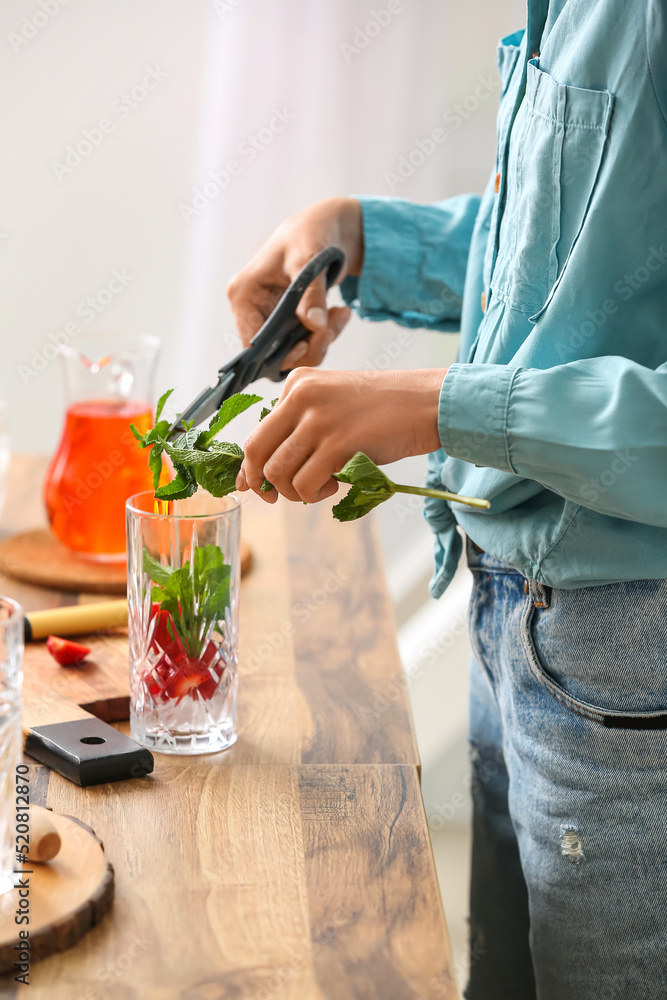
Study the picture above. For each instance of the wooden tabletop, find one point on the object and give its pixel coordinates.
(296, 865)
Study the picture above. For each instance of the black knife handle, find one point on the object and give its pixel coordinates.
(88, 752)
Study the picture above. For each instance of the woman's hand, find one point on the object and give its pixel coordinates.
(254, 291)
(323, 418)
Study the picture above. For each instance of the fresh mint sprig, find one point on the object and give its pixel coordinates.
(200, 460)
(370, 487)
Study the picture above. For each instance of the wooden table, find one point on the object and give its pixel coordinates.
(297, 864)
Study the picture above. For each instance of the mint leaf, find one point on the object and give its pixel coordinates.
(370, 487)
(155, 464)
(231, 408)
(212, 581)
(218, 475)
(156, 434)
(268, 409)
(362, 472)
(184, 485)
(160, 403)
(358, 502)
(215, 470)
(155, 570)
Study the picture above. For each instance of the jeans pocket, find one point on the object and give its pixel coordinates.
(556, 149)
(602, 652)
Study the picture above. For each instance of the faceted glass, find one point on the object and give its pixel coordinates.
(183, 570)
(11, 660)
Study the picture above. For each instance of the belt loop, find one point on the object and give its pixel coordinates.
(539, 595)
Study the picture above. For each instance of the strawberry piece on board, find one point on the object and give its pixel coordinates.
(65, 651)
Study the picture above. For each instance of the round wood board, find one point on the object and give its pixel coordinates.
(38, 557)
(67, 895)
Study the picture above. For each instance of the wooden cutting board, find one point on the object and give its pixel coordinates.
(68, 895)
(99, 686)
(66, 711)
(38, 557)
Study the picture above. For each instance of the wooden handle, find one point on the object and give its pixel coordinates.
(77, 619)
(44, 838)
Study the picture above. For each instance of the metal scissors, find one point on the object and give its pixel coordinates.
(265, 353)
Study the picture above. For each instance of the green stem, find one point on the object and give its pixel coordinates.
(423, 491)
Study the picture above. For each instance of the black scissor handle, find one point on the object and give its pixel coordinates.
(282, 330)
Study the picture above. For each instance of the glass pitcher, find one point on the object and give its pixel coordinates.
(98, 464)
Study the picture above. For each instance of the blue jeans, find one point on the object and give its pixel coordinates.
(568, 734)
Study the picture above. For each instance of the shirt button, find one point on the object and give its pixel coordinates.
(536, 55)
(496, 186)
(483, 301)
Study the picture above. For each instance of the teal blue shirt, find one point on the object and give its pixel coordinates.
(556, 410)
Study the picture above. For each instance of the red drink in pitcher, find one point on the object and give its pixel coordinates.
(98, 463)
(97, 466)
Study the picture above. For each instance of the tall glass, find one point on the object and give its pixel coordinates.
(97, 466)
(183, 574)
(11, 659)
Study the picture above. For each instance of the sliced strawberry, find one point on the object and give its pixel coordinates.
(65, 651)
(164, 638)
(214, 669)
(173, 674)
(186, 681)
(166, 649)
(193, 677)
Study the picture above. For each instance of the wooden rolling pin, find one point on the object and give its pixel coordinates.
(44, 838)
(75, 619)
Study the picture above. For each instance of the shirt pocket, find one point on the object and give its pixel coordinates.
(555, 153)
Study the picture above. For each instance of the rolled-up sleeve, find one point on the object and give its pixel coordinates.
(415, 260)
(593, 431)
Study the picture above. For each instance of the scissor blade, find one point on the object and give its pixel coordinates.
(205, 405)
